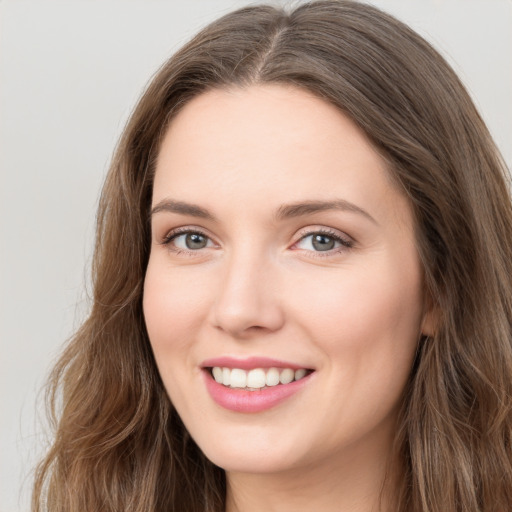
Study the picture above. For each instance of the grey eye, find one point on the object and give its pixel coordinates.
(318, 242)
(195, 241)
(191, 241)
(323, 242)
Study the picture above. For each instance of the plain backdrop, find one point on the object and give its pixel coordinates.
(70, 72)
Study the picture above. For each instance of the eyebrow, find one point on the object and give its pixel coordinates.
(285, 211)
(173, 206)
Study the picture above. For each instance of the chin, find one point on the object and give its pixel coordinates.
(247, 454)
(252, 462)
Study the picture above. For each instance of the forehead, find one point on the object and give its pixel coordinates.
(269, 144)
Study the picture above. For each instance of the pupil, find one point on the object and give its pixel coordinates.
(195, 241)
(323, 242)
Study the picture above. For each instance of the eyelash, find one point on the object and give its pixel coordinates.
(182, 231)
(346, 243)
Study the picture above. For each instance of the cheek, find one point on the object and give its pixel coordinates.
(174, 311)
(175, 305)
(370, 316)
(366, 325)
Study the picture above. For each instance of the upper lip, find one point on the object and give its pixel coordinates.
(249, 363)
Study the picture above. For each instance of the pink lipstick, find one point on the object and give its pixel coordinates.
(252, 385)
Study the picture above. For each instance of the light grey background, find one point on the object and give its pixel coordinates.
(70, 71)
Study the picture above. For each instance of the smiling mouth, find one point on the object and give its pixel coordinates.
(256, 379)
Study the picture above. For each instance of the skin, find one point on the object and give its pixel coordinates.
(259, 287)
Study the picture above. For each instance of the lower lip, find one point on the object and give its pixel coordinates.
(241, 400)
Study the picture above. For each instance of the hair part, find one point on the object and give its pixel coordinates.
(119, 443)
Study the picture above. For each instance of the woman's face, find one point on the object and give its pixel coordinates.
(280, 250)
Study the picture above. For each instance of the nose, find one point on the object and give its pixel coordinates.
(248, 300)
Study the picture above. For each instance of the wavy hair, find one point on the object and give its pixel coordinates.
(120, 445)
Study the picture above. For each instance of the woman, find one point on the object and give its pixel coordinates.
(302, 290)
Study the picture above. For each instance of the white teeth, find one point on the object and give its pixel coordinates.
(257, 378)
(217, 374)
(286, 376)
(300, 373)
(238, 378)
(272, 378)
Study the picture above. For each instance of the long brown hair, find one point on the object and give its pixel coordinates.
(119, 444)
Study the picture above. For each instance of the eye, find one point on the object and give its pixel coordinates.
(187, 241)
(323, 241)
